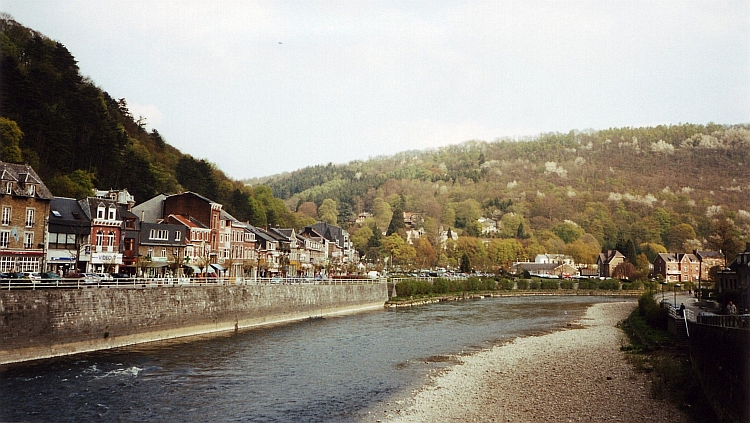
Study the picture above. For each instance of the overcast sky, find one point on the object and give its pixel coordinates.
(263, 87)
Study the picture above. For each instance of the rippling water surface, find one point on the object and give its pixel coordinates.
(333, 369)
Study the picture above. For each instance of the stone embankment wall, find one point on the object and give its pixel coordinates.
(720, 357)
(53, 322)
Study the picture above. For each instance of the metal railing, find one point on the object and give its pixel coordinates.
(81, 283)
(725, 320)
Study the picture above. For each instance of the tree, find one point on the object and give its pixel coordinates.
(397, 220)
(624, 270)
(678, 234)
(396, 247)
(568, 231)
(724, 237)
(426, 254)
(361, 238)
(465, 266)
(308, 208)
(327, 212)
(382, 213)
(10, 140)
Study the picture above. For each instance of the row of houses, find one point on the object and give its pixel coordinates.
(179, 234)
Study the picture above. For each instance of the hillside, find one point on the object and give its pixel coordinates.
(77, 136)
(675, 188)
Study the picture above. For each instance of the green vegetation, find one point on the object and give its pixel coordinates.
(77, 136)
(655, 351)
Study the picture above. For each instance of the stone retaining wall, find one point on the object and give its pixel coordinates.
(47, 323)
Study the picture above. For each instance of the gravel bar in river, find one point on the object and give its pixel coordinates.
(578, 374)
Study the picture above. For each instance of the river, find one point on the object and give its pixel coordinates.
(337, 369)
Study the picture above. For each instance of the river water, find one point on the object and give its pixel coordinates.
(337, 369)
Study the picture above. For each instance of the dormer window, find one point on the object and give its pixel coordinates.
(8, 187)
(111, 213)
(100, 211)
(31, 190)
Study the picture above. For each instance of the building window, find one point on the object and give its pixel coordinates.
(7, 264)
(111, 238)
(178, 236)
(163, 252)
(99, 238)
(28, 240)
(4, 239)
(31, 190)
(150, 253)
(29, 218)
(100, 211)
(8, 187)
(6, 215)
(111, 213)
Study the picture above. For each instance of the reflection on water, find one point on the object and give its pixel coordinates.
(331, 369)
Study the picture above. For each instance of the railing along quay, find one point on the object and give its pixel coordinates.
(725, 320)
(10, 284)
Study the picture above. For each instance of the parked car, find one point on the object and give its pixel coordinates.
(120, 276)
(104, 276)
(16, 275)
(91, 278)
(50, 275)
(34, 276)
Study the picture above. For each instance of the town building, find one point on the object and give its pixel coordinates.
(735, 279)
(677, 267)
(708, 260)
(69, 228)
(197, 256)
(106, 220)
(607, 262)
(162, 249)
(25, 204)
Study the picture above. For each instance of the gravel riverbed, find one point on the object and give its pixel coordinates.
(578, 374)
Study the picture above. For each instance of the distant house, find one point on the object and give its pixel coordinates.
(544, 269)
(412, 220)
(606, 262)
(677, 267)
(736, 278)
(489, 226)
(360, 220)
(340, 247)
(554, 258)
(444, 236)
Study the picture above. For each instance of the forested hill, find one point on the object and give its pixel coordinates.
(77, 136)
(666, 185)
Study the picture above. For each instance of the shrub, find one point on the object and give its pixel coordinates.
(655, 315)
(534, 284)
(566, 284)
(506, 284)
(610, 284)
(588, 284)
(632, 286)
(522, 284)
(549, 284)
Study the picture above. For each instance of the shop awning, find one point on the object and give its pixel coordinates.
(218, 267)
(156, 264)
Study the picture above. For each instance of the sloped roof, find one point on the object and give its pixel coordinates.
(23, 174)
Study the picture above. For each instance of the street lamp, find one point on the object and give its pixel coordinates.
(675, 294)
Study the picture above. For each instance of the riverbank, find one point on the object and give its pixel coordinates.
(577, 374)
